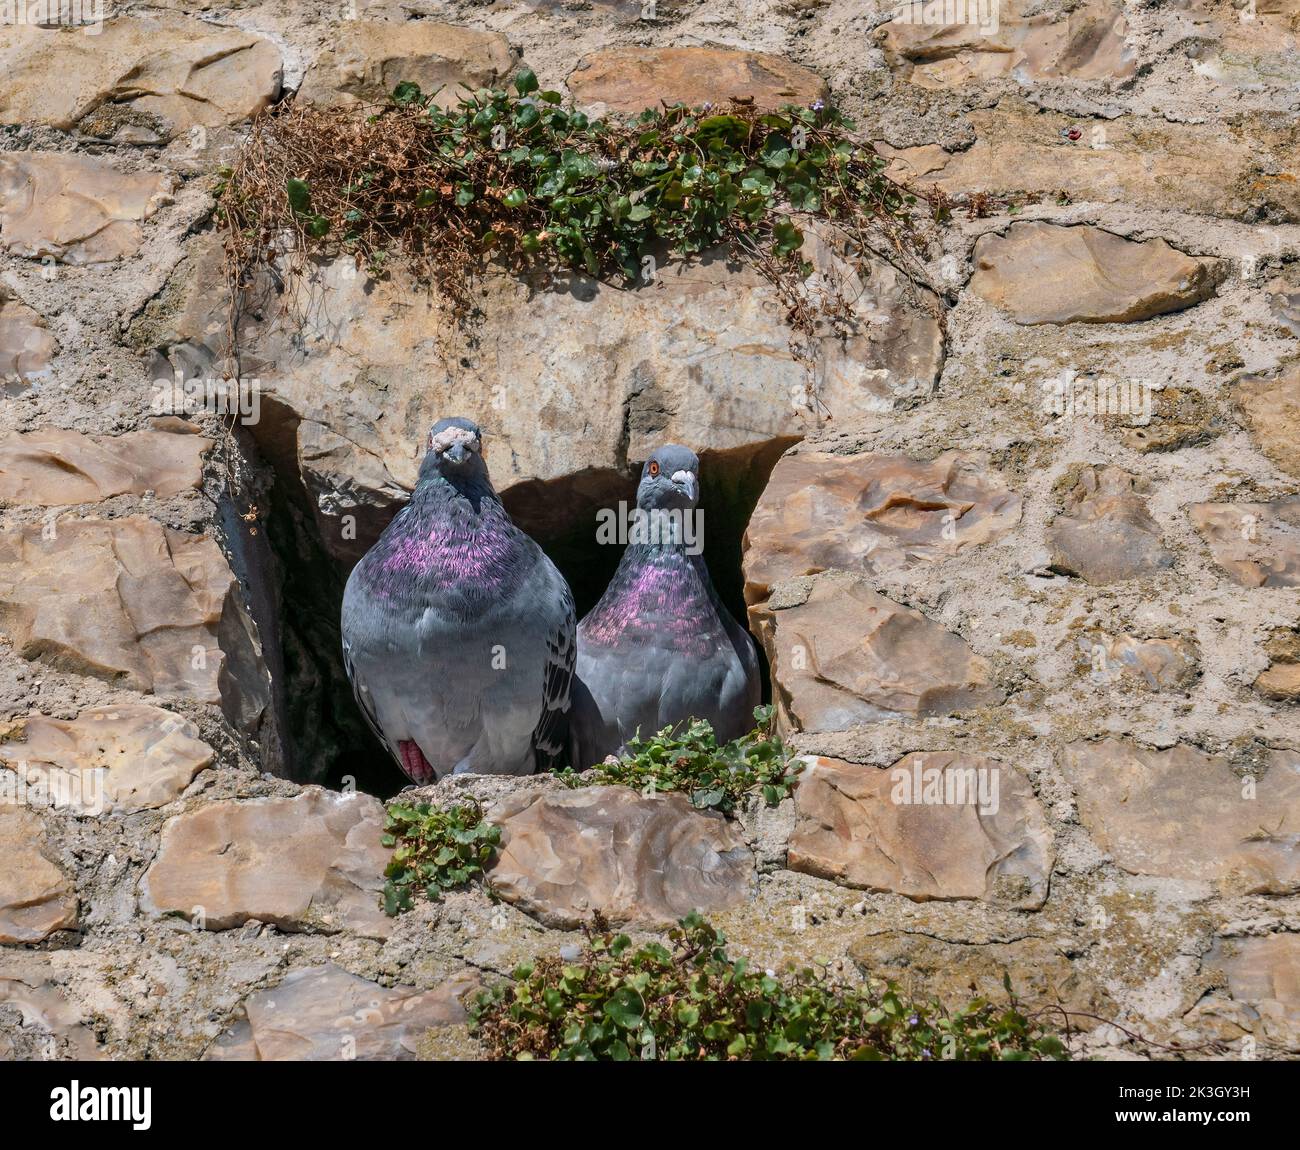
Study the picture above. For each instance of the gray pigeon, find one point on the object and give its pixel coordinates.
(660, 648)
(458, 632)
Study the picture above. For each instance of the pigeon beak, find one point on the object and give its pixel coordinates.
(686, 481)
(456, 454)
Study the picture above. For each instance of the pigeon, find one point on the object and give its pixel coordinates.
(659, 647)
(458, 631)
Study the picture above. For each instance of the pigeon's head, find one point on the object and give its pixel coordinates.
(670, 479)
(455, 448)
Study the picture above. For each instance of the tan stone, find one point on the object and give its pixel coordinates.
(57, 468)
(36, 897)
(842, 654)
(1247, 173)
(1251, 48)
(1106, 533)
(934, 826)
(26, 345)
(1180, 813)
(1271, 406)
(702, 357)
(74, 209)
(1088, 43)
(631, 79)
(643, 861)
(1158, 664)
(134, 603)
(48, 1026)
(1042, 273)
(310, 862)
(1285, 307)
(156, 76)
(954, 973)
(1263, 974)
(871, 513)
(120, 758)
(325, 1014)
(1257, 544)
(1280, 682)
(371, 58)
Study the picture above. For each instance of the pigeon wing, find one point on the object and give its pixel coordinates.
(362, 696)
(550, 737)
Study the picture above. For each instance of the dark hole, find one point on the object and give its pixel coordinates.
(326, 741)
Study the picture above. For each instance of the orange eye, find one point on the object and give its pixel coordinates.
(654, 468)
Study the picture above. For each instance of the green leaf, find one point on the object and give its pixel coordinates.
(525, 81)
(299, 195)
(788, 237)
(625, 1008)
(407, 93)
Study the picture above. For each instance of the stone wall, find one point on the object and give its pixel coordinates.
(1050, 545)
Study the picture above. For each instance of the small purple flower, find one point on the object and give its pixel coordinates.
(817, 105)
(913, 1020)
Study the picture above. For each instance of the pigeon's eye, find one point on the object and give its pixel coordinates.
(654, 468)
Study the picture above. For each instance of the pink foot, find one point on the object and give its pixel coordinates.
(414, 763)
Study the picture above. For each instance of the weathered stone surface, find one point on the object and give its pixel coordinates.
(1043, 273)
(26, 345)
(36, 897)
(1280, 682)
(132, 602)
(701, 357)
(955, 973)
(871, 513)
(1179, 417)
(1181, 813)
(373, 57)
(310, 862)
(1158, 664)
(37, 1022)
(630, 79)
(1271, 406)
(74, 209)
(638, 860)
(122, 758)
(1088, 43)
(140, 79)
(1106, 533)
(933, 826)
(1257, 544)
(1251, 48)
(325, 1014)
(1263, 974)
(1285, 307)
(57, 468)
(1139, 160)
(842, 654)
